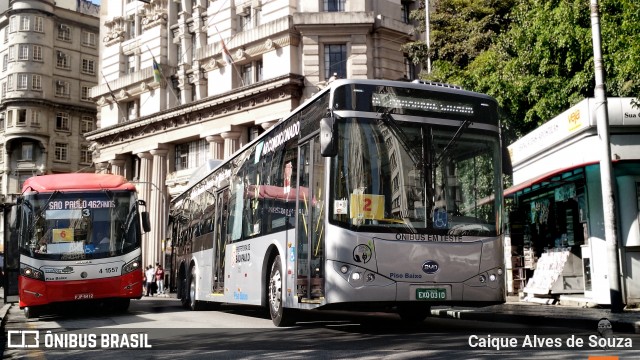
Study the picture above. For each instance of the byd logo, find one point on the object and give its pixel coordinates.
(430, 267)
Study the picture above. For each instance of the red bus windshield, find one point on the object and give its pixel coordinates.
(79, 225)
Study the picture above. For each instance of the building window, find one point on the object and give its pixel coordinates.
(259, 76)
(61, 152)
(23, 82)
(5, 62)
(131, 61)
(37, 52)
(13, 24)
(247, 77)
(39, 25)
(179, 54)
(62, 88)
(27, 151)
(10, 82)
(409, 68)
(62, 121)
(23, 52)
(62, 60)
(4, 90)
(85, 93)
(191, 155)
(35, 118)
(404, 8)
(88, 38)
(335, 61)
(334, 5)
(64, 32)
(22, 117)
(36, 82)
(132, 27)
(25, 22)
(87, 124)
(251, 73)
(86, 157)
(132, 109)
(88, 66)
(245, 21)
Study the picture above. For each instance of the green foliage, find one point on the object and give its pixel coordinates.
(534, 56)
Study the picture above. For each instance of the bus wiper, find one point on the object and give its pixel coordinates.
(465, 124)
(402, 137)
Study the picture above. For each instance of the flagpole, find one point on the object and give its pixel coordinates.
(163, 77)
(113, 96)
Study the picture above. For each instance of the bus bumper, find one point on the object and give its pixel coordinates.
(37, 292)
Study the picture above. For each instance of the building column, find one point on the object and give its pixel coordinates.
(144, 193)
(117, 166)
(159, 204)
(231, 142)
(216, 147)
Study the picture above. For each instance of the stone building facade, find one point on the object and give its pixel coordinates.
(49, 57)
(157, 127)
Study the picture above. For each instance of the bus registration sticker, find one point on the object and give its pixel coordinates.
(431, 294)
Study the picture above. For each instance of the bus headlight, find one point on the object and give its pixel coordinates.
(31, 272)
(132, 265)
(492, 277)
(482, 278)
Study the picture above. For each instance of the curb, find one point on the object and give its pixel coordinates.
(623, 326)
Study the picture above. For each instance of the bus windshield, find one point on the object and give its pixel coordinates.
(73, 225)
(399, 176)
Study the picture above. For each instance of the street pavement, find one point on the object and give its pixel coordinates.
(520, 312)
(576, 316)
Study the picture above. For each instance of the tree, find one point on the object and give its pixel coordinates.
(536, 58)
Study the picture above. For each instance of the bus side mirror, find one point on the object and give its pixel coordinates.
(146, 224)
(328, 146)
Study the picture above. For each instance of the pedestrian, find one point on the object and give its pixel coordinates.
(151, 277)
(160, 279)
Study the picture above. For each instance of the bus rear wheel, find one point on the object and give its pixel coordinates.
(193, 303)
(279, 315)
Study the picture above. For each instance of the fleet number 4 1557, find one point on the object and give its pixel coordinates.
(109, 270)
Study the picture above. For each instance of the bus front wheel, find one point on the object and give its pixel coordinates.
(31, 312)
(279, 315)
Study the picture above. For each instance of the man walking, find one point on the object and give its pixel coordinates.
(150, 273)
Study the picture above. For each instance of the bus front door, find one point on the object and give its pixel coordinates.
(310, 223)
(219, 241)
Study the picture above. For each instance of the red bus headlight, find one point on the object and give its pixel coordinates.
(31, 272)
(132, 265)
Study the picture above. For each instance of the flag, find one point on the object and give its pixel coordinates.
(226, 55)
(157, 75)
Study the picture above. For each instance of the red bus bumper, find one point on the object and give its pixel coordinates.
(37, 292)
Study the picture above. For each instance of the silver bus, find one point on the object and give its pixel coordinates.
(373, 194)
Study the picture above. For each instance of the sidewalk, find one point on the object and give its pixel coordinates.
(517, 311)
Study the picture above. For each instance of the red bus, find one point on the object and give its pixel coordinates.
(79, 239)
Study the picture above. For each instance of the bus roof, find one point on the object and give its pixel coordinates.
(432, 86)
(76, 182)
